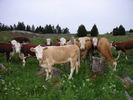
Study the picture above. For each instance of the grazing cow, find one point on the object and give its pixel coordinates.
(23, 50)
(48, 42)
(48, 56)
(7, 48)
(21, 39)
(104, 48)
(122, 47)
(102, 45)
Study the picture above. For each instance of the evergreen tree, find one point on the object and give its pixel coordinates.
(14, 27)
(39, 29)
(65, 31)
(28, 28)
(81, 32)
(33, 28)
(131, 31)
(94, 31)
(58, 29)
(11, 27)
(116, 31)
(20, 26)
(122, 30)
(0, 26)
(119, 31)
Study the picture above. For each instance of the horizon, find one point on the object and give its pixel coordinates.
(106, 14)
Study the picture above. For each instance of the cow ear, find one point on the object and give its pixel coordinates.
(32, 49)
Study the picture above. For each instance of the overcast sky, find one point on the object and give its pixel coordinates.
(106, 14)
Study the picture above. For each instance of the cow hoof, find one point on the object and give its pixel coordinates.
(70, 78)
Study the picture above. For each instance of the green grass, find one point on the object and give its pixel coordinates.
(23, 83)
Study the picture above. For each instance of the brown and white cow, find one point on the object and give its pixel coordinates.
(104, 48)
(85, 45)
(51, 55)
(122, 47)
(7, 49)
(89, 44)
(48, 42)
(23, 50)
(21, 39)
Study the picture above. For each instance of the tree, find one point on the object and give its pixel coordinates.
(33, 28)
(94, 31)
(122, 30)
(58, 29)
(119, 31)
(28, 28)
(81, 32)
(115, 31)
(11, 27)
(65, 30)
(131, 31)
(21, 26)
(14, 27)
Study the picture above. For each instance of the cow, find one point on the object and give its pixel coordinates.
(51, 55)
(122, 47)
(23, 50)
(85, 45)
(7, 49)
(62, 41)
(21, 39)
(102, 45)
(48, 42)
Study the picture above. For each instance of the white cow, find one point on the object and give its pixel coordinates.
(48, 56)
(48, 41)
(62, 41)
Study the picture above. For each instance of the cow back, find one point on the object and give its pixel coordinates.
(5, 47)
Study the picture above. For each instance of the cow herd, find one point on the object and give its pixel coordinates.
(63, 51)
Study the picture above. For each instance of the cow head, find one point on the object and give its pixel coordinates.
(48, 41)
(38, 51)
(16, 46)
(62, 41)
(95, 41)
(113, 45)
(83, 42)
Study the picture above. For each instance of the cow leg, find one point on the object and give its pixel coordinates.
(11, 55)
(47, 74)
(50, 72)
(125, 55)
(24, 62)
(77, 65)
(119, 53)
(7, 56)
(21, 56)
(115, 64)
(72, 70)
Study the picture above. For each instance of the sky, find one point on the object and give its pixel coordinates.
(106, 14)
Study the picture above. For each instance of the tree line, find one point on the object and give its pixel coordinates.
(82, 31)
(39, 29)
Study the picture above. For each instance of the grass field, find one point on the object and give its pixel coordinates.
(24, 83)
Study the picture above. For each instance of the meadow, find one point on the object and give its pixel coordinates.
(24, 84)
